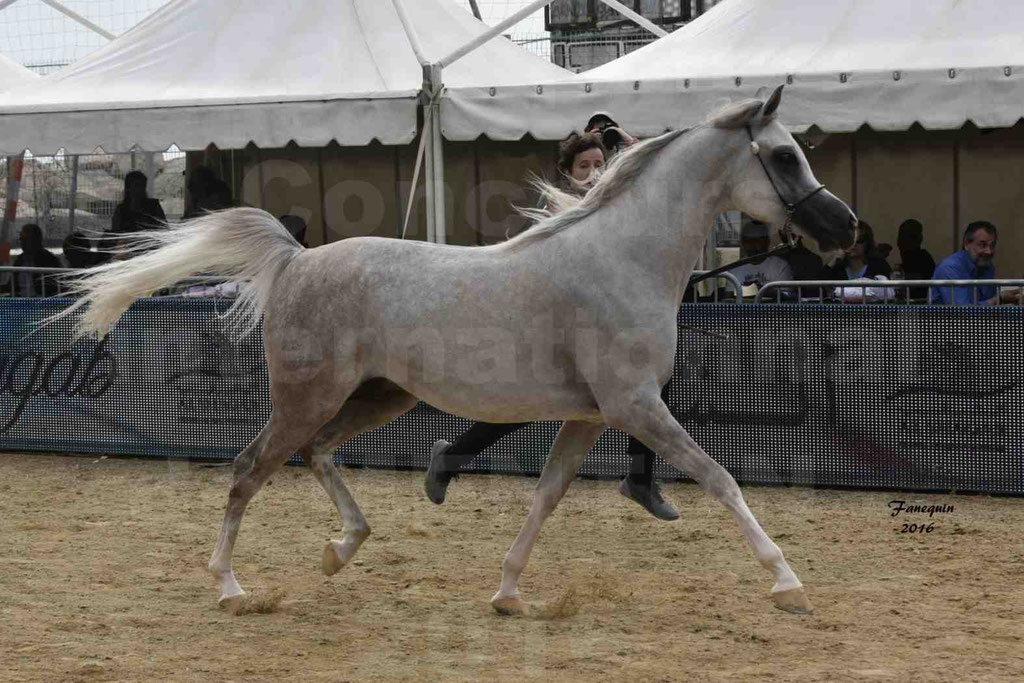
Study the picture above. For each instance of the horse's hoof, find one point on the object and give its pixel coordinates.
(232, 602)
(332, 563)
(793, 601)
(508, 606)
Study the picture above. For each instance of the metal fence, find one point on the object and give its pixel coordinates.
(887, 291)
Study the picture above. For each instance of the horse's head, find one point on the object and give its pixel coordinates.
(773, 180)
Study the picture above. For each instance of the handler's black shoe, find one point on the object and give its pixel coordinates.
(438, 478)
(649, 498)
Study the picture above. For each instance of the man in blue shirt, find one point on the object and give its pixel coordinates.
(973, 262)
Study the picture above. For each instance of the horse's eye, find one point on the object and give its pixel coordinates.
(786, 157)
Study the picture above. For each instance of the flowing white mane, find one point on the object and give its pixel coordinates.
(563, 209)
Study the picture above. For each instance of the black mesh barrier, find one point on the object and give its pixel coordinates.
(865, 396)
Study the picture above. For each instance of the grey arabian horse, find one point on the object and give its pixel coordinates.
(573, 320)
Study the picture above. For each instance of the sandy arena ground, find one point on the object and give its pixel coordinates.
(102, 578)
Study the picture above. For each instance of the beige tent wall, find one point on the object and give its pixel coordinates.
(907, 175)
(353, 191)
(945, 179)
(991, 171)
(942, 178)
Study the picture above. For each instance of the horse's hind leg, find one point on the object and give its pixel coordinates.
(572, 444)
(253, 467)
(374, 403)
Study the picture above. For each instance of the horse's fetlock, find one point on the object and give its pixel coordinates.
(360, 532)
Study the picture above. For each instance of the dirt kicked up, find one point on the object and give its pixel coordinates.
(102, 578)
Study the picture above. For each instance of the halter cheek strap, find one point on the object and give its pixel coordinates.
(791, 207)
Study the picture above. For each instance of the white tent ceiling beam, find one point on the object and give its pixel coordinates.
(6, 3)
(75, 16)
(410, 32)
(495, 31)
(644, 22)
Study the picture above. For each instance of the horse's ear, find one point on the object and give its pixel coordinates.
(773, 102)
(736, 115)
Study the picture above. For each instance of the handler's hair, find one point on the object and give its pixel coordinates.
(577, 144)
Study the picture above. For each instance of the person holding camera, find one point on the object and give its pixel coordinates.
(614, 138)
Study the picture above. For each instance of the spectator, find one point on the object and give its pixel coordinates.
(296, 227)
(917, 264)
(859, 264)
(200, 182)
(78, 252)
(138, 211)
(612, 135)
(580, 157)
(755, 238)
(219, 197)
(972, 262)
(34, 255)
(804, 264)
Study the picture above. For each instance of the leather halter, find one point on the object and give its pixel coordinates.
(791, 207)
(787, 233)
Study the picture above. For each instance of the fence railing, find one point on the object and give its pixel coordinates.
(885, 291)
(52, 278)
(731, 280)
(52, 282)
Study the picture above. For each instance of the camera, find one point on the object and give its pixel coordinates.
(610, 138)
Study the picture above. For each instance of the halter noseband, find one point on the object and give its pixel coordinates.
(791, 207)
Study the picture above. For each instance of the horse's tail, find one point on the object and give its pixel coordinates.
(245, 246)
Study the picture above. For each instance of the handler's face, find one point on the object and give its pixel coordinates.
(585, 163)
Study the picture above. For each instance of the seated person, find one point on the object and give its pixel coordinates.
(78, 252)
(34, 255)
(755, 238)
(138, 211)
(917, 263)
(804, 264)
(860, 264)
(972, 262)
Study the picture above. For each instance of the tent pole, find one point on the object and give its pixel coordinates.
(476, 9)
(630, 14)
(410, 32)
(496, 30)
(75, 16)
(428, 167)
(438, 144)
(73, 200)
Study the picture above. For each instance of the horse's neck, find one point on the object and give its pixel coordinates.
(662, 221)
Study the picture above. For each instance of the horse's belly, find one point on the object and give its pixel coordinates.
(486, 405)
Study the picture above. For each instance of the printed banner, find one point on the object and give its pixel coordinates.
(861, 396)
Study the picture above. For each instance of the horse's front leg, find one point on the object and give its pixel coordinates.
(572, 444)
(644, 415)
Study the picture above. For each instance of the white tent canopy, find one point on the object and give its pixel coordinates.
(12, 74)
(266, 71)
(885, 63)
